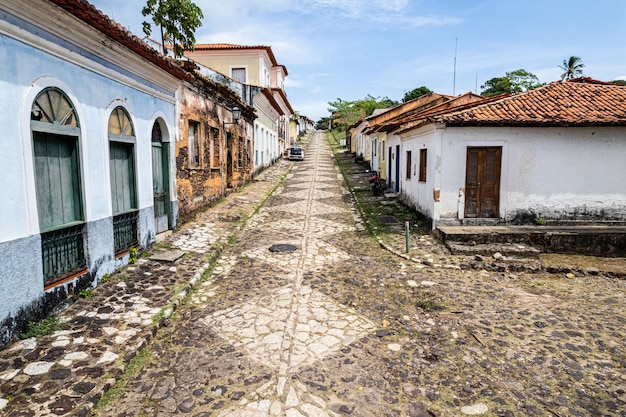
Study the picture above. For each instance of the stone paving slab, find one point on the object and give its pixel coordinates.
(66, 373)
(345, 325)
(168, 256)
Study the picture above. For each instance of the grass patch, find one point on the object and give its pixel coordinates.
(614, 265)
(132, 258)
(132, 370)
(163, 245)
(430, 305)
(42, 328)
(86, 293)
(160, 315)
(370, 207)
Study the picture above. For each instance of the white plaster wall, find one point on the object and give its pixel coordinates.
(419, 194)
(551, 171)
(13, 213)
(26, 71)
(266, 125)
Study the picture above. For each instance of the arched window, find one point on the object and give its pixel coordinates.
(55, 130)
(120, 124)
(123, 181)
(53, 106)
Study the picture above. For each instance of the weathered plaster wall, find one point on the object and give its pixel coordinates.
(20, 280)
(201, 186)
(557, 174)
(93, 85)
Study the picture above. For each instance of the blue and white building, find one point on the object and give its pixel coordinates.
(87, 171)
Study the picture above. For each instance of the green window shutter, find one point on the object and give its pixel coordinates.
(57, 180)
(123, 192)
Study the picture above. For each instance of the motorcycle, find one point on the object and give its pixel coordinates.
(377, 189)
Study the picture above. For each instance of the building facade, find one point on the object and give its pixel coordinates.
(86, 158)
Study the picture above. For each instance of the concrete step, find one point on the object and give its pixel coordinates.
(509, 250)
(590, 240)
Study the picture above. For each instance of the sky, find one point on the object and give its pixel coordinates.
(348, 49)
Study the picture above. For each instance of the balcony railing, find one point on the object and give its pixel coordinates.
(125, 231)
(63, 253)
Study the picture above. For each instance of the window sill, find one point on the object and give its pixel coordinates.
(66, 279)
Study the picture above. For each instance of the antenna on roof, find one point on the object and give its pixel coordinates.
(456, 41)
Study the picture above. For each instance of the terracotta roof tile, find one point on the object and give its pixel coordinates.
(579, 102)
(88, 13)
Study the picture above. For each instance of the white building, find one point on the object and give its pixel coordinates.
(555, 153)
(86, 167)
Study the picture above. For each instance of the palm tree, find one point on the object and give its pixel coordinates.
(573, 68)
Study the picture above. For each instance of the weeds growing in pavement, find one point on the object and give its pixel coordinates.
(42, 328)
(133, 368)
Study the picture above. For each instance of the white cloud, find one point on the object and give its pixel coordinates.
(313, 109)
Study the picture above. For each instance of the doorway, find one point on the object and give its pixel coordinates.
(160, 179)
(482, 182)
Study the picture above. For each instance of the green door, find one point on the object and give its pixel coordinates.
(159, 185)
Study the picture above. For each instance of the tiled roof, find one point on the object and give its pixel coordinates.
(88, 13)
(233, 47)
(462, 102)
(578, 102)
(417, 106)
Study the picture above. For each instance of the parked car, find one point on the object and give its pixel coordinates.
(295, 152)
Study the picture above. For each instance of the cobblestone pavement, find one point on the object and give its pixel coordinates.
(304, 314)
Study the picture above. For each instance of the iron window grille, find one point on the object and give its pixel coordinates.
(63, 253)
(125, 231)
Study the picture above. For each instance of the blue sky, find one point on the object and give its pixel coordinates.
(350, 48)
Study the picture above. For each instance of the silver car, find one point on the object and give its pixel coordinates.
(295, 152)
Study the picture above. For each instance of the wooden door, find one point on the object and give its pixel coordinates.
(57, 179)
(482, 182)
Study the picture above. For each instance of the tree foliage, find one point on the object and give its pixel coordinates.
(178, 20)
(415, 93)
(512, 82)
(344, 113)
(572, 67)
(619, 82)
(322, 123)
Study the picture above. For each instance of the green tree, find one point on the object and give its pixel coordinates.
(322, 123)
(386, 102)
(178, 20)
(495, 86)
(512, 82)
(415, 93)
(619, 82)
(572, 67)
(344, 113)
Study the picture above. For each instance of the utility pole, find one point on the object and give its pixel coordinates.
(456, 41)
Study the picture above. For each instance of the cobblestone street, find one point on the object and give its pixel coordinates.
(278, 302)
